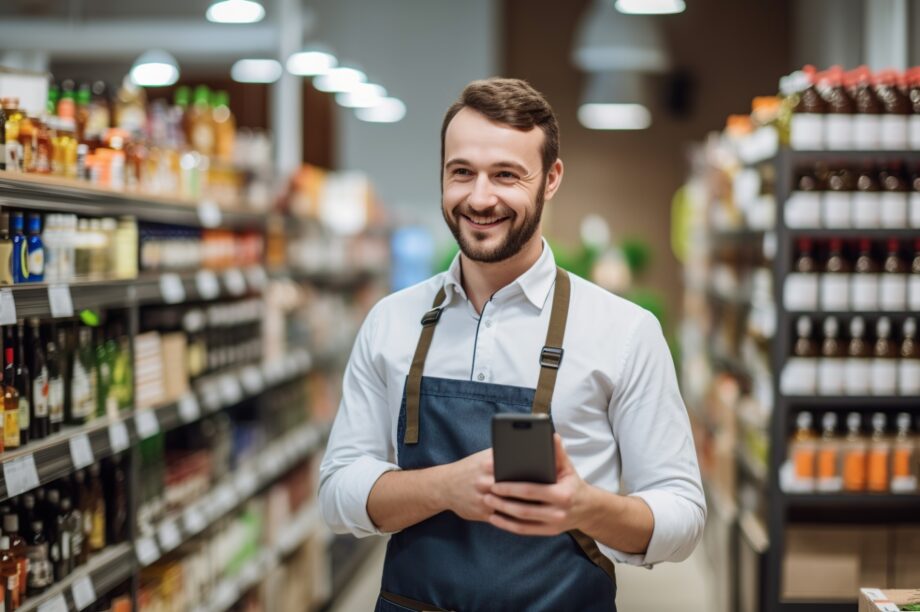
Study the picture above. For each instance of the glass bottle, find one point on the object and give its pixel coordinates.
(11, 437)
(65, 539)
(9, 573)
(41, 385)
(35, 250)
(867, 199)
(903, 460)
(865, 282)
(867, 123)
(41, 572)
(56, 384)
(909, 362)
(20, 250)
(835, 280)
(837, 203)
(807, 124)
(19, 550)
(83, 379)
(893, 201)
(884, 372)
(854, 456)
(224, 126)
(840, 110)
(201, 123)
(893, 280)
(97, 540)
(23, 386)
(802, 449)
(831, 364)
(800, 289)
(829, 478)
(879, 456)
(856, 381)
(6, 250)
(896, 107)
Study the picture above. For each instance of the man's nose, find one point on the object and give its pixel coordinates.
(482, 196)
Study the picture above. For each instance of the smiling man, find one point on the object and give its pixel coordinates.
(505, 330)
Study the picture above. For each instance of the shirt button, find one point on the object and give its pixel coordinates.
(488, 322)
(481, 376)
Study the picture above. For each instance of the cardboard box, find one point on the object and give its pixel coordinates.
(906, 557)
(887, 600)
(175, 369)
(826, 563)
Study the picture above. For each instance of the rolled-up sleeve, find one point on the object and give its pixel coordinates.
(359, 449)
(659, 463)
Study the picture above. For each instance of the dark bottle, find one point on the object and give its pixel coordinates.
(9, 573)
(840, 110)
(838, 199)
(866, 124)
(18, 548)
(865, 283)
(41, 572)
(914, 96)
(2, 138)
(11, 436)
(56, 385)
(74, 521)
(27, 512)
(83, 381)
(97, 509)
(116, 501)
(867, 201)
(893, 200)
(24, 387)
(41, 388)
(20, 250)
(807, 125)
(835, 281)
(897, 108)
(65, 539)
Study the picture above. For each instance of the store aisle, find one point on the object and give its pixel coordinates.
(640, 590)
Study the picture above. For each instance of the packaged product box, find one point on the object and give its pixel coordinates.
(887, 600)
(906, 556)
(30, 87)
(825, 563)
(175, 369)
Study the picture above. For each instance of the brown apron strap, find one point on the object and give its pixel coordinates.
(551, 355)
(412, 604)
(414, 383)
(589, 546)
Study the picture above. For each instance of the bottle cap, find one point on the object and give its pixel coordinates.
(54, 496)
(66, 504)
(18, 222)
(910, 328)
(831, 327)
(883, 328)
(829, 421)
(37, 526)
(878, 422)
(803, 327)
(854, 421)
(903, 420)
(35, 222)
(11, 523)
(803, 420)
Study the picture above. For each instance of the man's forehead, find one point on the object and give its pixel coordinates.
(472, 132)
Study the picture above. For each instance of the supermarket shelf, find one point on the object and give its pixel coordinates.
(851, 500)
(849, 314)
(805, 157)
(843, 402)
(348, 554)
(853, 234)
(233, 490)
(61, 454)
(756, 470)
(229, 590)
(725, 507)
(741, 236)
(55, 194)
(104, 572)
(347, 280)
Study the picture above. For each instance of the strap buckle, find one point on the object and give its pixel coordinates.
(431, 317)
(551, 357)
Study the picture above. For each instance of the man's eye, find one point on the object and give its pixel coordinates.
(506, 175)
(462, 172)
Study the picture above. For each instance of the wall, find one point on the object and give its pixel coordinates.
(735, 50)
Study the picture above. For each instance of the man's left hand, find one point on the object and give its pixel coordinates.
(538, 509)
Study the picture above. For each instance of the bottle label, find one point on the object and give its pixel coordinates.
(866, 130)
(909, 377)
(81, 392)
(97, 536)
(837, 209)
(893, 291)
(799, 376)
(894, 132)
(893, 210)
(24, 416)
(884, 377)
(65, 546)
(41, 573)
(11, 427)
(6, 263)
(800, 291)
(13, 157)
(803, 209)
(914, 129)
(806, 131)
(914, 210)
(878, 470)
(829, 479)
(913, 292)
(864, 288)
(856, 381)
(839, 136)
(835, 292)
(830, 376)
(866, 209)
(854, 470)
(41, 392)
(56, 400)
(36, 262)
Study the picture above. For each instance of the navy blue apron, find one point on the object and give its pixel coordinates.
(448, 563)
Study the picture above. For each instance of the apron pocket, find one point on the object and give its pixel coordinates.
(389, 602)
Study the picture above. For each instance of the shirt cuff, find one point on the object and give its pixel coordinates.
(352, 486)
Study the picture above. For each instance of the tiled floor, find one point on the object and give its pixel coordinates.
(640, 590)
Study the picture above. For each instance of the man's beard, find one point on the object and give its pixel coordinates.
(514, 240)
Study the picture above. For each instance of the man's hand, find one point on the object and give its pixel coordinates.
(469, 482)
(546, 510)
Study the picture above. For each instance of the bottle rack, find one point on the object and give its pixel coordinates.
(44, 461)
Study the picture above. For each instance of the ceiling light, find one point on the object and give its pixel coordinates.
(235, 11)
(609, 40)
(614, 116)
(650, 7)
(340, 80)
(614, 101)
(155, 68)
(256, 71)
(363, 95)
(311, 62)
(388, 110)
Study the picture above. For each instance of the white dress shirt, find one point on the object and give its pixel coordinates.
(616, 403)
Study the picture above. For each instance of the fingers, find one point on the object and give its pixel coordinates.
(536, 513)
(522, 528)
(550, 494)
(563, 464)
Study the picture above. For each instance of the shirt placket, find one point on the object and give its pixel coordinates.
(485, 343)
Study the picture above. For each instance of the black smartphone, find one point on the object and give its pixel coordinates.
(522, 447)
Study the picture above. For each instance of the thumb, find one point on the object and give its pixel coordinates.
(563, 463)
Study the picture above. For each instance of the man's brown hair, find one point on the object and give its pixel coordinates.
(513, 102)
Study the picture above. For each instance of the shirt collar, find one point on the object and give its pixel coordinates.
(535, 283)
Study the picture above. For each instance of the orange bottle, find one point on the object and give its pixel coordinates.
(879, 456)
(9, 574)
(854, 456)
(828, 474)
(803, 449)
(903, 454)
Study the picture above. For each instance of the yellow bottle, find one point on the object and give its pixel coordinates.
(224, 126)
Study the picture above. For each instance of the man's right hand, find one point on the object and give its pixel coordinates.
(466, 483)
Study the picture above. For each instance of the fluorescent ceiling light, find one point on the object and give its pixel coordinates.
(155, 68)
(340, 80)
(388, 110)
(363, 95)
(650, 7)
(614, 116)
(235, 11)
(256, 71)
(311, 62)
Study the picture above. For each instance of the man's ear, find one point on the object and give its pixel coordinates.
(554, 179)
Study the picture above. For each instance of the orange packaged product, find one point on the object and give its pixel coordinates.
(828, 473)
(854, 456)
(879, 456)
(803, 449)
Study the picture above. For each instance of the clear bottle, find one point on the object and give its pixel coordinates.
(835, 280)
(23, 386)
(83, 379)
(14, 117)
(893, 280)
(859, 361)
(41, 572)
(865, 282)
(65, 523)
(879, 456)
(831, 365)
(800, 290)
(903, 458)
(55, 384)
(9, 572)
(802, 450)
(883, 381)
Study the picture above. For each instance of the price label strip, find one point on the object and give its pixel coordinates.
(20, 475)
(207, 285)
(147, 424)
(171, 289)
(169, 536)
(84, 594)
(118, 436)
(7, 307)
(230, 389)
(81, 452)
(60, 300)
(189, 409)
(194, 520)
(55, 604)
(147, 551)
(252, 381)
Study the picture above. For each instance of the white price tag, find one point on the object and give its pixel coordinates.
(84, 595)
(81, 452)
(194, 520)
(226, 594)
(147, 424)
(189, 409)
(249, 575)
(209, 214)
(256, 277)
(207, 285)
(55, 604)
(227, 497)
(60, 300)
(171, 289)
(147, 551)
(20, 475)
(169, 536)
(245, 482)
(251, 377)
(7, 307)
(234, 281)
(118, 436)
(230, 390)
